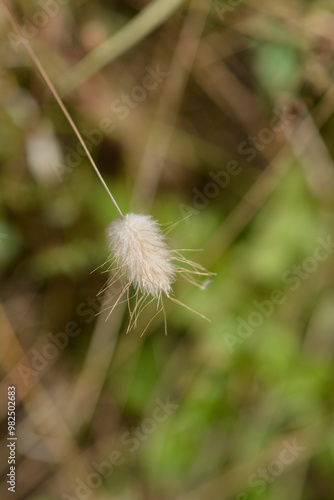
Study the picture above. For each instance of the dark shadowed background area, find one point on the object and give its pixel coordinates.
(217, 115)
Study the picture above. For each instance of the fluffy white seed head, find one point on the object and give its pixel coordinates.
(145, 262)
(141, 252)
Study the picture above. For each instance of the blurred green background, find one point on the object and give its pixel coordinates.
(220, 110)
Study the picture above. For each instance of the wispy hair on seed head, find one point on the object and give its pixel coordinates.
(142, 259)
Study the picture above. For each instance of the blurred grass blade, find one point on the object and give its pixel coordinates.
(149, 18)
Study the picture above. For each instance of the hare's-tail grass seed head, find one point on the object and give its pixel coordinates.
(141, 251)
(141, 257)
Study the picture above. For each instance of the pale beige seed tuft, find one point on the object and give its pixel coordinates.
(141, 252)
(141, 258)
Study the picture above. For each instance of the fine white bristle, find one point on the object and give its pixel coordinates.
(140, 250)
